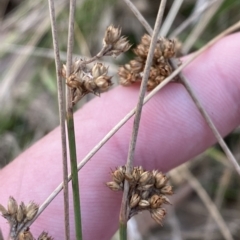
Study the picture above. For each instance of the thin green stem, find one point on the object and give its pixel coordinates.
(123, 231)
(74, 171)
(70, 128)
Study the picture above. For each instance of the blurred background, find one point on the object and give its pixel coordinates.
(28, 96)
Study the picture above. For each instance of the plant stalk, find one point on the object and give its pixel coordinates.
(62, 113)
(122, 230)
(74, 174)
(70, 128)
(125, 209)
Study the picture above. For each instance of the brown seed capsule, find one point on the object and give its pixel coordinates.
(165, 69)
(73, 68)
(64, 71)
(122, 45)
(168, 48)
(146, 178)
(125, 81)
(78, 95)
(141, 51)
(129, 177)
(25, 235)
(146, 40)
(103, 83)
(137, 172)
(114, 186)
(158, 215)
(31, 210)
(23, 208)
(165, 199)
(20, 213)
(159, 79)
(127, 77)
(12, 206)
(151, 84)
(44, 236)
(157, 53)
(89, 85)
(112, 35)
(156, 201)
(160, 180)
(154, 72)
(167, 190)
(118, 176)
(73, 81)
(122, 169)
(143, 203)
(134, 200)
(98, 70)
(136, 66)
(3, 210)
(124, 71)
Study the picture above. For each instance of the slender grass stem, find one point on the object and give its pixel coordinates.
(74, 171)
(200, 26)
(191, 19)
(223, 186)
(122, 230)
(139, 16)
(70, 128)
(61, 106)
(132, 112)
(45, 53)
(207, 202)
(170, 18)
(125, 209)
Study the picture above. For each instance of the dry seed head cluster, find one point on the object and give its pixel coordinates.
(113, 41)
(18, 216)
(84, 80)
(148, 190)
(27, 235)
(160, 69)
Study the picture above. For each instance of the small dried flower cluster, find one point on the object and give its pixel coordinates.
(44, 236)
(148, 190)
(27, 235)
(86, 81)
(83, 80)
(114, 42)
(18, 216)
(160, 69)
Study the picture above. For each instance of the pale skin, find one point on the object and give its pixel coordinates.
(172, 131)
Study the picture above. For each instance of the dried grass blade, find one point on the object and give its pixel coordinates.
(124, 212)
(170, 17)
(207, 202)
(61, 106)
(70, 128)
